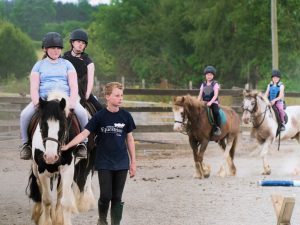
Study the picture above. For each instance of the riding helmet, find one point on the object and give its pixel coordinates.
(210, 69)
(276, 73)
(52, 39)
(79, 34)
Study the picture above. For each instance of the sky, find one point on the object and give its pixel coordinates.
(92, 2)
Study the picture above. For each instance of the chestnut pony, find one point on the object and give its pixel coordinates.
(192, 115)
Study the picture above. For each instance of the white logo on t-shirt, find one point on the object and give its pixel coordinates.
(119, 125)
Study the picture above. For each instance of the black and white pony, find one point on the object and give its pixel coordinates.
(59, 184)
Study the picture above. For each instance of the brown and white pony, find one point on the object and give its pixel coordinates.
(191, 114)
(258, 110)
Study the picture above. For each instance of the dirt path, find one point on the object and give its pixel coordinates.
(164, 192)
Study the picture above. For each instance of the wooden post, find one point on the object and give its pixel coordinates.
(190, 85)
(275, 60)
(123, 81)
(283, 207)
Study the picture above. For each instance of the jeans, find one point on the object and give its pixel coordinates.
(29, 110)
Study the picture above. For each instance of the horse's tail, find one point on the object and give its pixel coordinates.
(32, 189)
(232, 149)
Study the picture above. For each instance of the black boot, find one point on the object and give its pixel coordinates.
(25, 152)
(116, 212)
(102, 210)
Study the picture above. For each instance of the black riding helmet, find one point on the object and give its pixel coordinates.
(210, 69)
(79, 34)
(52, 39)
(276, 73)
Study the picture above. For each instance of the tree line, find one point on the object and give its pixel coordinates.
(175, 39)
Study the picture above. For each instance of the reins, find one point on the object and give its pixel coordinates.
(264, 116)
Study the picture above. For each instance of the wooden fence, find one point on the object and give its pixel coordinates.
(19, 102)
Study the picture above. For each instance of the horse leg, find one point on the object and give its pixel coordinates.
(202, 170)
(59, 220)
(85, 200)
(36, 212)
(229, 150)
(263, 155)
(45, 218)
(68, 203)
(297, 169)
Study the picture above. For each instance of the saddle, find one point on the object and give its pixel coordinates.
(72, 121)
(88, 106)
(210, 116)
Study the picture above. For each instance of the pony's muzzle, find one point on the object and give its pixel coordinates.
(177, 127)
(51, 159)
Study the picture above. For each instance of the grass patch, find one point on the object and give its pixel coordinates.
(14, 85)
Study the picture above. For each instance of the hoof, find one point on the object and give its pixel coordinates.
(222, 172)
(206, 171)
(197, 176)
(296, 172)
(266, 172)
(206, 175)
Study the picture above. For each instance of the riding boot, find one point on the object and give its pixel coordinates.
(216, 130)
(282, 127)
(25, 152)
(102, 210)
(116, 212)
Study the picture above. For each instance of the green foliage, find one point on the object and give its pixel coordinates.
(31, 15)
(18, 52)
(175, 40)
(37, 17)
(13, 85)
(63, 28)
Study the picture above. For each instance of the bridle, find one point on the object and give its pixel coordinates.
(183, 123)
(254, 110)
(59, 141)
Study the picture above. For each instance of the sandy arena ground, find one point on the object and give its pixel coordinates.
(164, 192)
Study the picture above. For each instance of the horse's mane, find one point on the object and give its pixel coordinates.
(256, 93)
(58, 95)
(193, 101)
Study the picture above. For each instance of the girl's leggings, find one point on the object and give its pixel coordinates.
(111, 185)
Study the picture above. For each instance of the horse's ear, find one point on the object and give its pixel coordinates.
(42, 103)
(62, 103)
(246, 92)
(183, 99)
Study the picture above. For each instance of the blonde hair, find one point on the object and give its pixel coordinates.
(110, 86)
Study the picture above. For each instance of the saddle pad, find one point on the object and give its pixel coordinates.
(222, 116)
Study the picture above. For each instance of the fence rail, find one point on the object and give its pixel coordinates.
(236, 95)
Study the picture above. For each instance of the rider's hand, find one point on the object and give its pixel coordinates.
(64, 147)
(208, 103)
